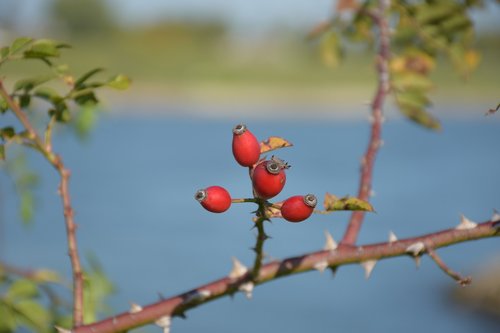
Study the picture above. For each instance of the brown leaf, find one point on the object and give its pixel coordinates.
(273, 143)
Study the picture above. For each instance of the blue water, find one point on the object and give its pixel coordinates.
(133, 183)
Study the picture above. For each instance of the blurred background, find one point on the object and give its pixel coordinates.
(226, 54)
(200, 67)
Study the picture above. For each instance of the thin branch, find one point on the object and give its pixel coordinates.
(368, 161)
(64, 175)
(463, 281)
(342, 256)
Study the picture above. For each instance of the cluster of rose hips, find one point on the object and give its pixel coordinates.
(268, 179)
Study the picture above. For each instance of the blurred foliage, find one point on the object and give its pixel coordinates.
(25, 182)
(423, 31)
(28, 299)
(36, 300)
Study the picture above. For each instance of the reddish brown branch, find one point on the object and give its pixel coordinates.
(368, 160)
(463, 281)
(64, 174)
(178, 304)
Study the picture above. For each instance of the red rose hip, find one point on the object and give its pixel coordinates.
(298, 208)
(246, 148)
(215, 199)
(268, 178)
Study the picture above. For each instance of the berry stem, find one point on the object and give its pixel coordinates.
(241, 200)
(260, 239)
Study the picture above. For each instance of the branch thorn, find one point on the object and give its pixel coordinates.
(416, 249)
(238, 269)
(321, 265)
(496, 216)
(247, 289)
(330, 244)
(164, 322)
(465, 223)
(134, 308)
(368, 267)
(392, 237)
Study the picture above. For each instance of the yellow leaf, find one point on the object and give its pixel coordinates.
(273, 143)
(472, 59)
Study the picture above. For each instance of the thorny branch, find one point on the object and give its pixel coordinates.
(177, 305)
(56, 161)
(365, 187)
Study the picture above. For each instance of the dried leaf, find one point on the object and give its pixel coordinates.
(333, 203)
(273, 143)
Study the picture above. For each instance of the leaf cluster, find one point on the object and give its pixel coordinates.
(423, 31)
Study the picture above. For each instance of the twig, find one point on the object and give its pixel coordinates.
(368, 161)
(276, 269)
(463, 281)
(64, 174)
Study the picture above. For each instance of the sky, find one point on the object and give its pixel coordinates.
(242, 15)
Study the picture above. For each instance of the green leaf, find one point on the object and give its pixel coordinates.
(61, 112)
(85, 120)
(4, 52)
(3, 105)
(62, 69)
(19, 43)
(413, 98)
(8, 322)
(333, 203)
(22, 288)
(48, 94)
(44, 48)
(420, 116)
(411, 80)
(432, 13)
(88, 98)
(456, 23)
(24, 100)
(26, 206)
(120, 82)
(86, 76)
(30, 83)
(96, 289)
(32, 315)
(7, 132)
(330, 49)
(2, 152)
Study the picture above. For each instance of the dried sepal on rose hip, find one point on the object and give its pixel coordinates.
(215, 199)
(246, 147)
(298, 208)
(268, 177)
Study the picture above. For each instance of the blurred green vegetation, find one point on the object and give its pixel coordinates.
(183, 54)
